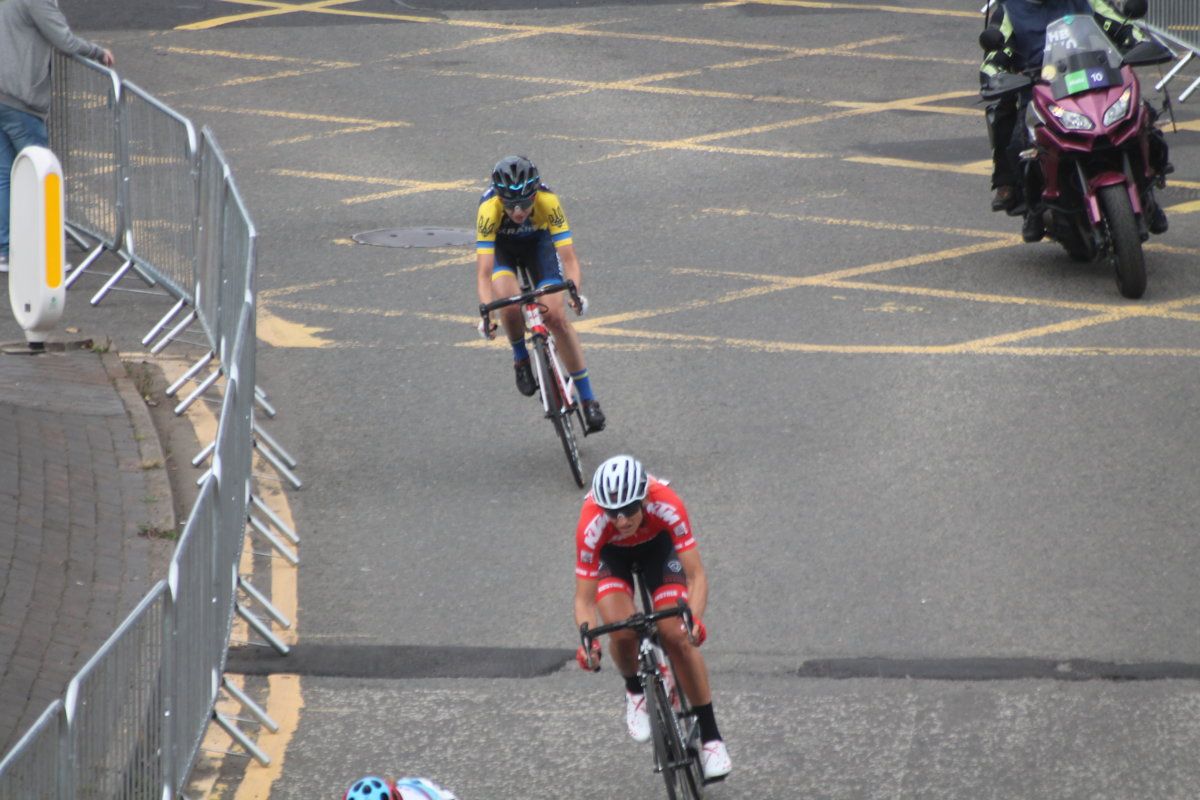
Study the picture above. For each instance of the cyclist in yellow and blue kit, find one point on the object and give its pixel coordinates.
(521, 223)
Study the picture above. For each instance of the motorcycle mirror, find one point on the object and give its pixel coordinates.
(1134, 9)
(1144, 54)
(992, 39)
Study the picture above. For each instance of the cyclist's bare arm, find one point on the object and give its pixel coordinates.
(585, 601)
(697, 581)
(483, 275)
(570, 269)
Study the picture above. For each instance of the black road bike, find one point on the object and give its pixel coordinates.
(560, 400)
(673, 725)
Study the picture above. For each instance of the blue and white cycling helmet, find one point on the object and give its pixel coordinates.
(515, 179)
(619, 482)
(373, 788)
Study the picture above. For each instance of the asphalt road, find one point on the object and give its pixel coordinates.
(911, 445)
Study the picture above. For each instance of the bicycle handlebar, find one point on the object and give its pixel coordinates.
(640, 622)
(529, 297)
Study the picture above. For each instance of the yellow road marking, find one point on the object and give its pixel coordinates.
(269, 59)
(903, 227)
(281, 333)
(406, 187)
(275, 9)
(972, 168)
(284, 701)
(930, 12)
(264, 112)
(1185, 208)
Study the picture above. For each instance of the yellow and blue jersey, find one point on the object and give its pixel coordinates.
(547, 219)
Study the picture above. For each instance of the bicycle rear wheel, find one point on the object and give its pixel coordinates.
(558, 415)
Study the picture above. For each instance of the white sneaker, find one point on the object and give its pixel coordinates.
(714, 759)
(637, 721)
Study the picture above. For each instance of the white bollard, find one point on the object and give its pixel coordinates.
(37, 243)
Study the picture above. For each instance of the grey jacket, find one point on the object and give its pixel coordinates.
(30, 31)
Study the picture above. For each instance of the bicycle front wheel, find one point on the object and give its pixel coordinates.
(558, 413)
(672, 756)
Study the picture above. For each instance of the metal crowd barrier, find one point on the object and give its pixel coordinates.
(143, 186)
(1179, 19)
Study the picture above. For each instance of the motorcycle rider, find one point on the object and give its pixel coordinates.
(1023, 24)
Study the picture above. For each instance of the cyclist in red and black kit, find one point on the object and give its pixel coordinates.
(629, 518)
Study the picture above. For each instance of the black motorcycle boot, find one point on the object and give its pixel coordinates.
(1034, 228)
(525, 384)
(1005, 198)
(1156, 218)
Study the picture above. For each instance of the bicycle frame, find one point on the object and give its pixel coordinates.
(676, 743)
(566, 384)
(556, 387)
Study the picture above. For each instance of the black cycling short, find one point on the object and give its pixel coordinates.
(658, 562)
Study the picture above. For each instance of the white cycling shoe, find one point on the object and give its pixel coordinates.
(637, 720)
(714, 760)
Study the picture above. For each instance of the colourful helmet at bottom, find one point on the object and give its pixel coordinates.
(370, 788)
(373, 788)
(421, 789)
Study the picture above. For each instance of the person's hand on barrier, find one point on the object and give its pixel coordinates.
(582, 657)
(486, 328)
(106, 57)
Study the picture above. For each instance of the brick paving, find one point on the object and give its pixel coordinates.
(79, 487)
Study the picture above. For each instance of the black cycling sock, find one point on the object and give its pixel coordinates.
(708, 722)
(633, 684)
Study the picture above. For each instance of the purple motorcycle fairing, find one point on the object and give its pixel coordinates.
(1055, 143)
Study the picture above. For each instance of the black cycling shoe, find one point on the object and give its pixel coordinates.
(525, 384)
(1034, 227)
(593, 416)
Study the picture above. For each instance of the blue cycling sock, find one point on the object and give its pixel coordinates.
(583, 384)
(520, 352)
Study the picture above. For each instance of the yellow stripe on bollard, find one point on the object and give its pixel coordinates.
(54, 230)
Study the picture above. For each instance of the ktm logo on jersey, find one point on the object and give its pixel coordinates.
(664, 511)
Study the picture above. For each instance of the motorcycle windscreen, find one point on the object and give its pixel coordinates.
(1079, 57)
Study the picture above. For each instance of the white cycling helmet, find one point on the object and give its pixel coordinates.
(619, 481)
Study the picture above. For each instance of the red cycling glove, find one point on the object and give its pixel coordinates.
(699, 632)
(581, 657)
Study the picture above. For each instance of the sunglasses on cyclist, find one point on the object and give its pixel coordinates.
(517, 205)
(624, 511)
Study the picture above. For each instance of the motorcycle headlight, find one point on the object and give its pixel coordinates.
(1071, 120)
(1119, 109)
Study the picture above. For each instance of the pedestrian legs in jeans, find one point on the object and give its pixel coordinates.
(18, 130)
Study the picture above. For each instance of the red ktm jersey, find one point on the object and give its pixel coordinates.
(662, 510)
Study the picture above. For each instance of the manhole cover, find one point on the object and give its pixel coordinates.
(417, 237)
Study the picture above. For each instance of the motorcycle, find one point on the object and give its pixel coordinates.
(1089, 168)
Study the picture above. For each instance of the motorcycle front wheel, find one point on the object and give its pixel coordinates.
(1125, 242)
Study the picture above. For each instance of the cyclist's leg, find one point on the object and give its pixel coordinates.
(689, 664)
(614, 602)
(547, 271)
(504, 284)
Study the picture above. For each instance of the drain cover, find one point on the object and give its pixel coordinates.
(416, 237)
